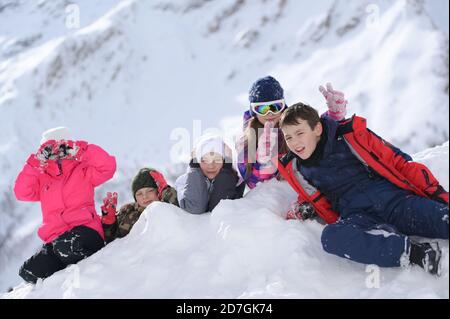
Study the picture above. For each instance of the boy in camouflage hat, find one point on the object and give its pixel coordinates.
(148, 186)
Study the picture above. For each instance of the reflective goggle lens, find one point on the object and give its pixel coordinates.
(264, 109)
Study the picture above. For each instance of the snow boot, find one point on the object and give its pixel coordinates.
(427, 256)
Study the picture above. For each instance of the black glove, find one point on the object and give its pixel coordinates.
(306, 211)
(63, 150)
(45, 152)
(301, 211)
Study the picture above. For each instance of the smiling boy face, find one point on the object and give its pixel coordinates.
(146, 195)
(301, 139)
(302, 129)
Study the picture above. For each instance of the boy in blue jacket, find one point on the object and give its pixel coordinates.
(371, 194)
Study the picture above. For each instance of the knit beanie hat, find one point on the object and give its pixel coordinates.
(141, 180)
(266, 89)
(57, 133)
(209, 144)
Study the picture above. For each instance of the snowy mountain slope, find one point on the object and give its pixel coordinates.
(122, 64)
(136, 70)
(243, 249)
(415, 115)
(29, 24)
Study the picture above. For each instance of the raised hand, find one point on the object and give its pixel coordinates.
(109, 208)
(336, 102)
(267, 143)
(160, 182)
(47, 151)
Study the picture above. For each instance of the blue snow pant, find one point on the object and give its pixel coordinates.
(375, 225)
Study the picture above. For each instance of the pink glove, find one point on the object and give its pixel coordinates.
(267, 143)
(336, 102)
(109, 208)
(160, 182)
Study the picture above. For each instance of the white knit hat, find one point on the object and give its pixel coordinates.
(56, 133)
(209, 144)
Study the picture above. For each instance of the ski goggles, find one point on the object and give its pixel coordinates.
(263, 108)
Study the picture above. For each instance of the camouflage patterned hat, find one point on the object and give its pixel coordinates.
(141, 180)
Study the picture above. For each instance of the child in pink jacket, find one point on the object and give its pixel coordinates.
(62, 175)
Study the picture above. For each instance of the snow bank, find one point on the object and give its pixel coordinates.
(243, 249)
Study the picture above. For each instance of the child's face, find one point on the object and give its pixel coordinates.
(300, 139)
(275, 118)
(211, 164)
(145, 196)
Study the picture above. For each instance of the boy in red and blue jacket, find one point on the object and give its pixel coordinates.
(371, 194)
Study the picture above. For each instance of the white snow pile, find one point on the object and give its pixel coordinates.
(243, 249)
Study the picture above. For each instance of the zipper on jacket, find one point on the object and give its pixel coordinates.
(59, 167)
(425, 175)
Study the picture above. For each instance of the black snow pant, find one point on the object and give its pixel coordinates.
(69, 248)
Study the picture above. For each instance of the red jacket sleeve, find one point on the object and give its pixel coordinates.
(415, 173)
